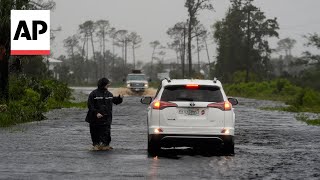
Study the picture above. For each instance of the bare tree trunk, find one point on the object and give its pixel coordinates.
(4, 73)
(189, 47)
(134, 56)
(198, 51)
(184, 51)
(83, 51)
(125, 52)
(87, 47)
(94, 56)
(104, 54)
(72, 54)
(154, 49)
(205, 42)
(249, 49)
(178, 57)
(113, 55)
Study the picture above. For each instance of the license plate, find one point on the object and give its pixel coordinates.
(189, 112)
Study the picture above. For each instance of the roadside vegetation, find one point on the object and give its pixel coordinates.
(243, 59)
(297, 98)
(307, 119)
(32, 93)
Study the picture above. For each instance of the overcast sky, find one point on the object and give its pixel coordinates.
(152, 18)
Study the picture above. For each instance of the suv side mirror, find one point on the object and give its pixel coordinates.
(146, 100)
(149, 79)
(124, 79)
(233, 101)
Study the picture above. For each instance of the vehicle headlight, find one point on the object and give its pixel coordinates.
(146, 85)
(128, 85)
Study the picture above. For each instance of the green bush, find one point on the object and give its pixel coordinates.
(29, 98)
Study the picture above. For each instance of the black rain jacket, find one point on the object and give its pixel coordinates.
(101, 101)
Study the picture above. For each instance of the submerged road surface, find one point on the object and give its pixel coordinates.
(269, 145)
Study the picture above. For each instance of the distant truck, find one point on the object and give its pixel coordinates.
(137, 81)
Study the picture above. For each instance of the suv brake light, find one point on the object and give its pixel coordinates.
(224, 106)
(162, 105)
(192, 86)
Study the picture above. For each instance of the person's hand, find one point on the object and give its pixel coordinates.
(99, 115)
(118, 100)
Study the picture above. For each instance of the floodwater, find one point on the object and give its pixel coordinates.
(269, 145)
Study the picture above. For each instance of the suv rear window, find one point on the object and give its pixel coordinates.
(182, 93)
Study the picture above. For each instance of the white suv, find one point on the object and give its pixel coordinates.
(190, 113)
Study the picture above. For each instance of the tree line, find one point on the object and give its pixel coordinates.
(89, 56)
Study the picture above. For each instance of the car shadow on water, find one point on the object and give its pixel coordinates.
(179, 153)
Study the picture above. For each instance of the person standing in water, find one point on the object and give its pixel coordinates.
(99, 115)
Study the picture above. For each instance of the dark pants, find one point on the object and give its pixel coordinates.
(100, 134)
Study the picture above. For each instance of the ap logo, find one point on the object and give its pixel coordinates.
(30, 32)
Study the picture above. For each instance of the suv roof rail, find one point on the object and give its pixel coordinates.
(215, 80)
(168, 80)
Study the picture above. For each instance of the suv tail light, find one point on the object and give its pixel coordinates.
(224, 106)
(162, 105)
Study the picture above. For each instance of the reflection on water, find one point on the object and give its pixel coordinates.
(153, 173)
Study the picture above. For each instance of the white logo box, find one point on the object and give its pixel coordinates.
(22, 46)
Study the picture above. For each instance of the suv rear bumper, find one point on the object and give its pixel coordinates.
(178, 140)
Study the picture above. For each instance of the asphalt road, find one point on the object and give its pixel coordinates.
(269, 145)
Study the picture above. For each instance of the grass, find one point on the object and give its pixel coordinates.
(297, 98)
(66, 104)
(305, 118)
(5, 119)
(8, 119)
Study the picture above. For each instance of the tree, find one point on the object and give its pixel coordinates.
(175, 45)
(309, 77)
(286, 45)
(122, 40)
(87, 29)
(5, 7)
(135, 40)
(242, 41)
(103, 27)
(72, 43)
(204, 39)
(193, 7)
(179, 33)
(154, 45)
(113, 35)
(200, 34)
(313, 40)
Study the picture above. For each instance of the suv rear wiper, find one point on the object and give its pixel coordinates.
(184, 98)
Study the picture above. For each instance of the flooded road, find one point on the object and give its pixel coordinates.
(269, 145)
